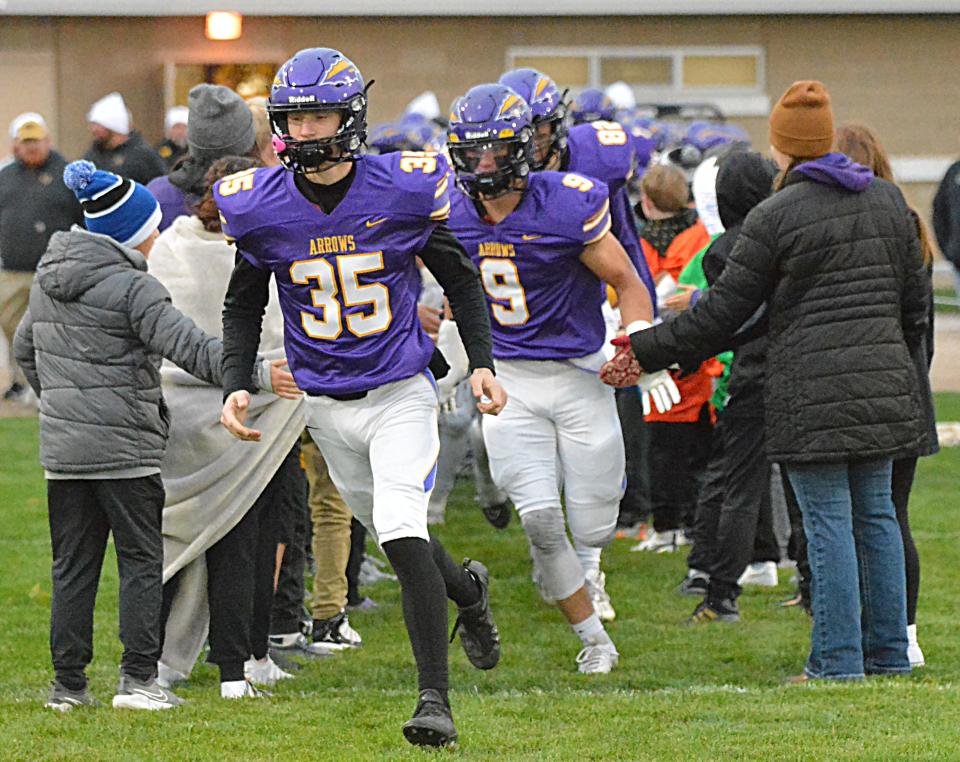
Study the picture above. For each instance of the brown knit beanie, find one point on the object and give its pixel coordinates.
(801, 124)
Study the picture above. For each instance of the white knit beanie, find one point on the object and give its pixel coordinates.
(111, 112)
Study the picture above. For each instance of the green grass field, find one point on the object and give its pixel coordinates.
(680, 693)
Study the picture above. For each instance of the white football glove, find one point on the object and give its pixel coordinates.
(661, 387)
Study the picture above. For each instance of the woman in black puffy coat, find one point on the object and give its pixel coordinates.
(835, 256)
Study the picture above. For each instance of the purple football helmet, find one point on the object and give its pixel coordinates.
(592, 105)
(490, 121)
(318, 79)
(392, 137)
(548, 106)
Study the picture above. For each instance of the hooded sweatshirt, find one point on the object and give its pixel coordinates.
(90, 345)
(744, 179)
(838, 170)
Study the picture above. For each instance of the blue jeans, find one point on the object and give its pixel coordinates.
(857, 569)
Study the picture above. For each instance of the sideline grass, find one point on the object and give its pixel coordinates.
(680, 693)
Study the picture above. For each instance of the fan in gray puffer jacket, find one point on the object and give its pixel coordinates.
(91, 345)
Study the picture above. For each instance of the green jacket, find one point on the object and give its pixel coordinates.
(692, 275)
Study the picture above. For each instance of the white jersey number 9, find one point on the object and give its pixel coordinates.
(349, 266)
(501, 281)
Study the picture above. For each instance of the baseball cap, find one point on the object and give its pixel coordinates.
(28, 126)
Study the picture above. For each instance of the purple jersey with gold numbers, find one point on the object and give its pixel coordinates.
(603, 151)
(348, 281)
(544, 303)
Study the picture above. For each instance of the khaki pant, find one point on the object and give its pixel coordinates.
(331, 535)
(14, 299)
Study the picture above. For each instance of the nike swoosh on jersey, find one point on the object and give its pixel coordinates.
(374, 223)
(531, 237)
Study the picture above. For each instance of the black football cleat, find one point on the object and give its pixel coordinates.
(432, 722)
(498, 515)
(478, 632)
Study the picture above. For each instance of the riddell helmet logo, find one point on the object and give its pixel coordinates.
(301, 98)
(476, 135)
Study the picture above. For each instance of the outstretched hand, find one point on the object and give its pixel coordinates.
(490, 395)
(661, 389)
(233, 416)
(281, 380)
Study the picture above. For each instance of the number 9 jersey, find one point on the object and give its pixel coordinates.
(545, 304)
(348, 280)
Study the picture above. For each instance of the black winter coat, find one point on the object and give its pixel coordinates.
(845, 285)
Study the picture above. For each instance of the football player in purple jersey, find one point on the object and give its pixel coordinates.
(340, 232)
(601, 150)
(543, 246)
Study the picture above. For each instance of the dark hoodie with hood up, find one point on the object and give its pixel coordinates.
(744, 179)
(835, 257)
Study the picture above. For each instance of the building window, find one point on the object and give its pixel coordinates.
(573, 71)
(728, 76)
(638, 71)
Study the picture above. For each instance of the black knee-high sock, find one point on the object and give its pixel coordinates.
(461, 587)
(424, 608)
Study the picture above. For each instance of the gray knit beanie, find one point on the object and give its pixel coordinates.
(220, 123)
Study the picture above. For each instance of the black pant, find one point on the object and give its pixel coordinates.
(635, 504)
(904, 471)
(797, 545)
(288, 598)
(745, 526)
(358, 543)
(709, 505)
(678, 458)
(82, 512)
(240, 568)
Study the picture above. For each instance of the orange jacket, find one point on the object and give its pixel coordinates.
(697, 388)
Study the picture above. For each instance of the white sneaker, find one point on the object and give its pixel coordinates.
(167, 677)
(762, 574)
(264, 671)
(659, 542)
(913, 648)
(597, 659)
(596, 587)
(137, 694)
(237, 689)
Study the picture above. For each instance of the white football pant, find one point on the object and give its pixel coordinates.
(382, 454)
(559, 430)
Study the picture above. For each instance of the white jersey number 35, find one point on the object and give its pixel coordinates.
(349, 266)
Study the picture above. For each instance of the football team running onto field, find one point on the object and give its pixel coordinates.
(526, 225)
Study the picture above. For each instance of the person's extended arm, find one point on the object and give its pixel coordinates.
(25, 351)
(607, 260)
(706, 329)
(445, 258)
(243, 307)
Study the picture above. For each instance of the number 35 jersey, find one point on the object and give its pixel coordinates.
(348, 281)
(544, 303)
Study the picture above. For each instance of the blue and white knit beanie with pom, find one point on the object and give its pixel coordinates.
(112, 205)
